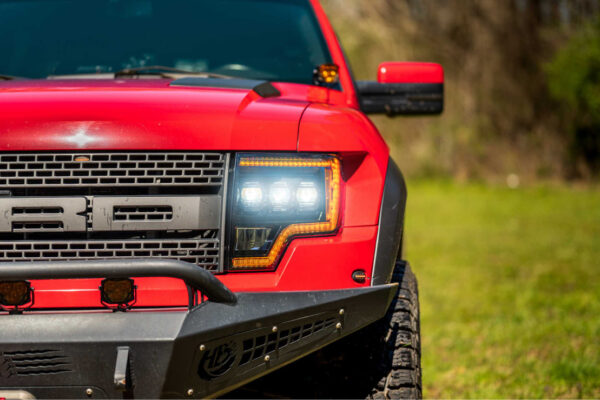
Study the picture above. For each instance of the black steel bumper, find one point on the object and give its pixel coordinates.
(204, 352)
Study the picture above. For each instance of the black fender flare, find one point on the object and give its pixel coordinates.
(390, 231)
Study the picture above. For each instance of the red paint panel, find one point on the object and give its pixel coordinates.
(314, 264)
(85, 293)
(130, 116)
(329, 129)
(410, 72)
(363, 190)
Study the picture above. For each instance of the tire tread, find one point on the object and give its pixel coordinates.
(399, 365)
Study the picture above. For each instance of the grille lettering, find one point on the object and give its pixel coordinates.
(109, 213)
(43, 214)
(171, 212)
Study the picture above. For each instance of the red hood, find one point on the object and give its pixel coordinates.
(149, 115)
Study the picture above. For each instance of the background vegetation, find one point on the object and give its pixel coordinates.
(522, 83)
(509, 279)
(510, 289)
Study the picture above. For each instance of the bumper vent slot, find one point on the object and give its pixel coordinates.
(35, 362)
(257, 347)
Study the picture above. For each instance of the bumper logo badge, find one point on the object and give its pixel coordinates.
(217, 361)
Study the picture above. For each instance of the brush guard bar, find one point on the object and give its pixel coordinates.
(191, 274)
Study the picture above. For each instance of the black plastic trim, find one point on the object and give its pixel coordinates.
(193, 275)
(391, 225)
(401, 98)
(262, 88)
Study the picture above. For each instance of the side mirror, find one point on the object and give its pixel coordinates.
(404, 88)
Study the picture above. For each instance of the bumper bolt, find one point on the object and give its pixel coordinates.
(190, 392)
(89, 392)
(342, 311)
(202, 347)
(274, 329)
(338, 325)
(267, 358)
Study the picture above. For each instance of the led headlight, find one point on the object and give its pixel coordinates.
(277, 198)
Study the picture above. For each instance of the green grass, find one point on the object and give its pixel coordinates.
(510, 289)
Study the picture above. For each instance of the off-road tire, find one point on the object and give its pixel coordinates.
(395, 361)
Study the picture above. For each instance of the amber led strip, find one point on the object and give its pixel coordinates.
(332, 190)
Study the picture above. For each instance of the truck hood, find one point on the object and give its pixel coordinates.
(144, 114)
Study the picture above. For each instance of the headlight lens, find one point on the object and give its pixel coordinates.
(277, 198)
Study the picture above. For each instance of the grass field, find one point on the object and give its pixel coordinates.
(510, 289)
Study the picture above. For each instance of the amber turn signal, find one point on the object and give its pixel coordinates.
(15, 293)
(117, 291)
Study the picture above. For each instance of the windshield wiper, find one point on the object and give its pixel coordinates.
(165, 72)
(10, 77)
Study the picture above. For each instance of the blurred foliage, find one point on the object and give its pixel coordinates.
(574, 80)
(574, 75)
(500, 117)
(510, 289)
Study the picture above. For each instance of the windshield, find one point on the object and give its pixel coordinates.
(276, 40)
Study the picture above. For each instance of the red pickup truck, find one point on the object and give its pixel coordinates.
(192, 196)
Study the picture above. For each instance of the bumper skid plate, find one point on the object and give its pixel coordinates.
(203, 352)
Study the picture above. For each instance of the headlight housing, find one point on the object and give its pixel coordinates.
(276, 198)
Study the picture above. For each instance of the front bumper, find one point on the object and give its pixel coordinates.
(204, 352)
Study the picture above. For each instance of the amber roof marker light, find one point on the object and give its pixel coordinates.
(327, 74)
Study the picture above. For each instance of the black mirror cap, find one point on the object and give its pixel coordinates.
(396, 99)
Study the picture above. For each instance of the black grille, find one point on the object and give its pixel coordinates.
(41, 229)
(108, 169)
(203, 252)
